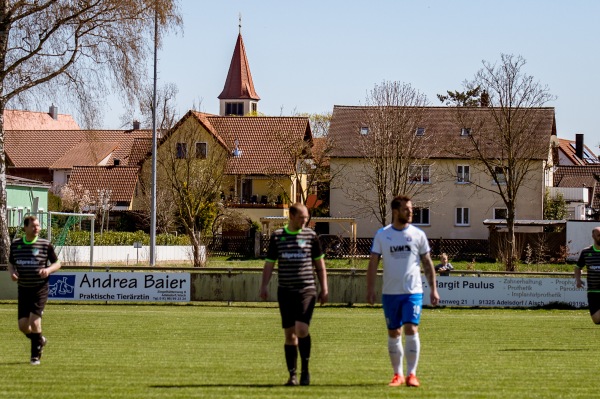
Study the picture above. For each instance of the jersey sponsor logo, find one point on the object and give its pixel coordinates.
(399, 248)
(23, 262)
(293, 255)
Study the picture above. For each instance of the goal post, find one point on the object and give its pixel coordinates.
(68, 214)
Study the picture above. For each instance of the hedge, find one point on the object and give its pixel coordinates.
(113, 238)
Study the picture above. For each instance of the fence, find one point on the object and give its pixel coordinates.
(532, 247)
(343, 247)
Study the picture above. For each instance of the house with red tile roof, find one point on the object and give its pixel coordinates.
(115, 182)
(52, 155)
(575, 153)
(31, 120)
(455, 196)
(260, 167)
(576, 178)
(262, 154)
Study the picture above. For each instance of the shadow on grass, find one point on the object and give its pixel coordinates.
(184, 386)
(542, 350)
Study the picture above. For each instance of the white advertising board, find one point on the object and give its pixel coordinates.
(523, 292)
(117, 286)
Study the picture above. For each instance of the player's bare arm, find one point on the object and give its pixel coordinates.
(266, 277)
(429, 270)
(319, 266)
(46, 271)
(578, 282)
(12, 271)
(371, 276)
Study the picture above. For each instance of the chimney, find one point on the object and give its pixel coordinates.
(53, 112)
(579, 145)
(136, 125)
(117, 162)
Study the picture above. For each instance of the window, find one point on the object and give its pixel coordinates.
(201, 150)
(420, 215)
(418, 174)
(420, 131)
(181, 150)
(462, 174)
(500, 176)
(500, 213)
(462, 216)
(254, 107)
(234, 109)
(587, 156)
(465, 131)
(364, 130)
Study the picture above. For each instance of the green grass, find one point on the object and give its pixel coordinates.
(358, 263)
(362, 263)
(219, 351)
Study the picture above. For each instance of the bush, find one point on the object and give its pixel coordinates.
(113, 238)
(109, 238)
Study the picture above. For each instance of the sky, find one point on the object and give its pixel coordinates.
(307, 56)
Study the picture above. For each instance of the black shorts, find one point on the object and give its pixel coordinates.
(296, 305)
(593, 302)
(32, 300)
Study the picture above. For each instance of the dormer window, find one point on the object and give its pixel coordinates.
(364, 130)
(420, 131)
(465, 131)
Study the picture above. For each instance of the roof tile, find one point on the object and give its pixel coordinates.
(31, 120)
(45, 148)
(121, 180)
(440, 123)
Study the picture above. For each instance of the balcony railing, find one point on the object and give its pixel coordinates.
(254, 202)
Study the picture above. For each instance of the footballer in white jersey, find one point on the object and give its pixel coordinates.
(401, 251)
(403, 248)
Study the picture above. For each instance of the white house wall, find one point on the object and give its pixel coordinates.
(444, 196)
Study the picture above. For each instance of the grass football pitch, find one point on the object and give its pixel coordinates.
(220, 351)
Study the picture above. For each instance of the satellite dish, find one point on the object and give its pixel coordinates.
(236, 151)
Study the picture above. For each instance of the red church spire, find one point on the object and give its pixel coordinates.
(239, 83)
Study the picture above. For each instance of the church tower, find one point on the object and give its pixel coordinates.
(238, 96)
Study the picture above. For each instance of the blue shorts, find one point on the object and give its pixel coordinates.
(401, 309)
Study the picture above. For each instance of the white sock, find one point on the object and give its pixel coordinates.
(395, 352)
(412, 349)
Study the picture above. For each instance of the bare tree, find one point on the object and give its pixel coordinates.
(509, 139)
(189, 175)
(166, 112)
(76, 50)
(397, 150)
